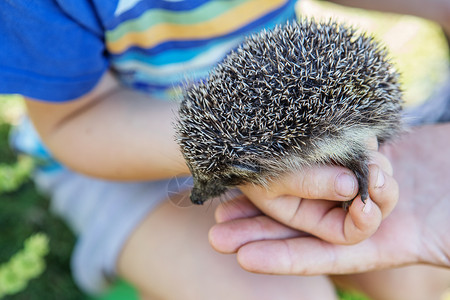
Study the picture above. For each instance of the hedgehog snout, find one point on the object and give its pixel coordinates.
(204, 190)
(209, 186)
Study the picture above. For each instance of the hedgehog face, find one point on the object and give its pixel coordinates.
(206, 189)
(207, 186)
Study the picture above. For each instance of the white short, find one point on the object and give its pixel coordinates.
(102, 214)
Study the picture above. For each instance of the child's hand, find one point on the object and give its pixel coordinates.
(415, 232)
(291, 218)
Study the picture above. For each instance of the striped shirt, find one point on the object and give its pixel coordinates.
(158, 47)
(153, 45)
(57, 50)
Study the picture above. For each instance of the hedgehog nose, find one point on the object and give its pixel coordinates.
(197, 197)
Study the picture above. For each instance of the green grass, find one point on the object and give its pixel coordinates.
(417, 47)
(121, 291)
(347, 295)
(24, 212)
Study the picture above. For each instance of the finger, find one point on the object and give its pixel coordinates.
(229, 236)
(361, 221)
(330, 222)
(324, 219)
(372, 144)
(238, 207)
(382, 161)
(383, 190)
(319, 182)
(311, 256)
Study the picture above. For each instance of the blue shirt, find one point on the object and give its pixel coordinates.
(57, 50)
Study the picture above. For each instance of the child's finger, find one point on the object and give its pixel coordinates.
(239, 207)
(383, 189)
(228, 237)
(363, 219)
(372, 144)
(333, 224)
(322, 218)
(382, 161)
(320, 182)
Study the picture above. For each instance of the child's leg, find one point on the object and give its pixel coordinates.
(408, 283)
(168, 257)
(163, 250)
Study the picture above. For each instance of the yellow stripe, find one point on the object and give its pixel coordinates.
(225, 23)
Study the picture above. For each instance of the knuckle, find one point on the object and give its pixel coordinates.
(308, 186)
(382, 161)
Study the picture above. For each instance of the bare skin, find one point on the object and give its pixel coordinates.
(379, 251)
(415, 232)
(168, 257)
(91, 135)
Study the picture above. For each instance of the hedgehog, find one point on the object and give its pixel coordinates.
(303, 94)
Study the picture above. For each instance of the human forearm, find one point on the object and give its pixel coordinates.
(118, 134)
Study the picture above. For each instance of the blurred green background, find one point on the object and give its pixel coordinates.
(417, 47)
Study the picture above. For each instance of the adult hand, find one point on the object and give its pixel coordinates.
(314, 237)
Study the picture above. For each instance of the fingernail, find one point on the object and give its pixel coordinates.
(380, 179)
(345, 185)
(367, 206)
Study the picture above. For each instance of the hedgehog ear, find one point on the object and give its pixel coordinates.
(244, 171)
